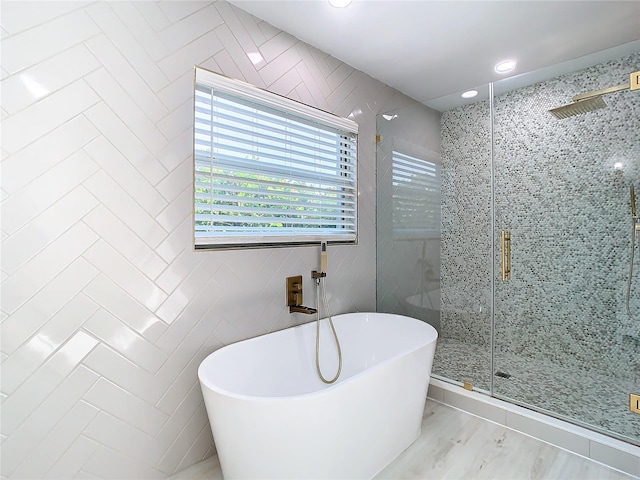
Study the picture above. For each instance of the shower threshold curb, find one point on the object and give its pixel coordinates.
(581, 441)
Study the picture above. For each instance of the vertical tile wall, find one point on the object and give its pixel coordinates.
(106, 309)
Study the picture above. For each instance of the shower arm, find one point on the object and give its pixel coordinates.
(632, 84)
(597, 93)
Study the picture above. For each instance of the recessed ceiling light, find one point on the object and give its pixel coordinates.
(470, 94)
(505, 66)
(339, 3)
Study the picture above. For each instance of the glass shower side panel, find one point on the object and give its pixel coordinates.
(408, 214)
(463, 353)
(564, 342)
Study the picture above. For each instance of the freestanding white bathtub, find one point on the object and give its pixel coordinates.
(272, 417)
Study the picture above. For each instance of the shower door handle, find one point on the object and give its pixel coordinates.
(505, 254)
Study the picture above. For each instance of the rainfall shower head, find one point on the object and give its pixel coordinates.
(579, 107)
(588, 102)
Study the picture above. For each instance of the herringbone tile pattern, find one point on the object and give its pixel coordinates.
(106, 309)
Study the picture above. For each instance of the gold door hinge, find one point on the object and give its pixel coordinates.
(378, 138)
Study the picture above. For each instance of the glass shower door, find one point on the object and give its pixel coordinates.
(408, 214)
(564, 342)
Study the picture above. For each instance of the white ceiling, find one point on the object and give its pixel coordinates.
(434, 50)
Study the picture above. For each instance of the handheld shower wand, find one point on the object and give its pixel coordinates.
(322, 272)
(635, 232)
(323, 257)
(322, 291)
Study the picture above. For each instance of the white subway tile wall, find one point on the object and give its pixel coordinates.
(106, 309)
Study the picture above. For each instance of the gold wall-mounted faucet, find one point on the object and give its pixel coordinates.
(294, 296)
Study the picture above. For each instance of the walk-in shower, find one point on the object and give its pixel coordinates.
(555, 336)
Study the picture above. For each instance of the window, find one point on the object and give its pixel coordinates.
(268, 170)
(416, 195)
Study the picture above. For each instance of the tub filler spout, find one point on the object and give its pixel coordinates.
(302, 309)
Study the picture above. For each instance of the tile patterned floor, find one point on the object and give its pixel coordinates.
(455, 444)
(590, 397)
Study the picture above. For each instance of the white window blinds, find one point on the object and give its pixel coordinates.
(416, 195)
(269, 170)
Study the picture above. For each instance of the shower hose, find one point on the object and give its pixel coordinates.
(635, 232)
(320, 287)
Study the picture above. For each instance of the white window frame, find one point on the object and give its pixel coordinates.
(344, 170)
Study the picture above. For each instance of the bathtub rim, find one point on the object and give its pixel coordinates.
(204, 382)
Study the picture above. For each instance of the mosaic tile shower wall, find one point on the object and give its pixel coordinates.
(562, 189)
(466, 236)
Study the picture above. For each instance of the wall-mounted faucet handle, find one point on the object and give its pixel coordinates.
(294, 290)
(294, 296)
